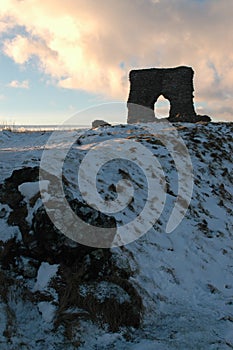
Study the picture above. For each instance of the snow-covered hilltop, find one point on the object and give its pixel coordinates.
(162, 291)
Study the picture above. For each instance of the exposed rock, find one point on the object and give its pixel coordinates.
(28, 267)
(3, 213)
(80, 267)
(175, 84)
(42, 239)
(98, 123)
(9, 193)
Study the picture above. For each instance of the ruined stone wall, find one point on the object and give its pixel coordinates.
(175, 84)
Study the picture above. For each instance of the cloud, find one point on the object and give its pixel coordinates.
(91, 45)
(5, 24)
(19, 84)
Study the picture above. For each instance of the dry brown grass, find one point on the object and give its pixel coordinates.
(108, 311)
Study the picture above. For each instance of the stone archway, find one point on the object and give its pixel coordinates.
(175, 84)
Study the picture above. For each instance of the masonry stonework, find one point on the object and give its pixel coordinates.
(175, 84)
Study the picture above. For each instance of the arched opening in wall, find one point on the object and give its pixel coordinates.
(162, 107)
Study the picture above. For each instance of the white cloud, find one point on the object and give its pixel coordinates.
(19, 84)
(92, 45)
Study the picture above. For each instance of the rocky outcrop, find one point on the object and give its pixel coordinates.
(81, 268)
(175, 84)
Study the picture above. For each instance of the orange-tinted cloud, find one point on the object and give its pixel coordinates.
(91, 45)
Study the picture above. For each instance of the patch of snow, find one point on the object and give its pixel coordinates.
(32, 210)
(47, 310)
(30, 189)
(45, 273)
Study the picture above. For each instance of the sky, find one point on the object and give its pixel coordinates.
(59, 57)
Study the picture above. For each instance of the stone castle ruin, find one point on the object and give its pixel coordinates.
(175, 84)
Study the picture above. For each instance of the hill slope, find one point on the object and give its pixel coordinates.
(174, 290)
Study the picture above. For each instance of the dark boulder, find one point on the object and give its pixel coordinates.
(99, 123)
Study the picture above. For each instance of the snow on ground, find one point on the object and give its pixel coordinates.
(47, 309)
(18, 151)
(44, 275)
(30, 189)
(185, 278)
